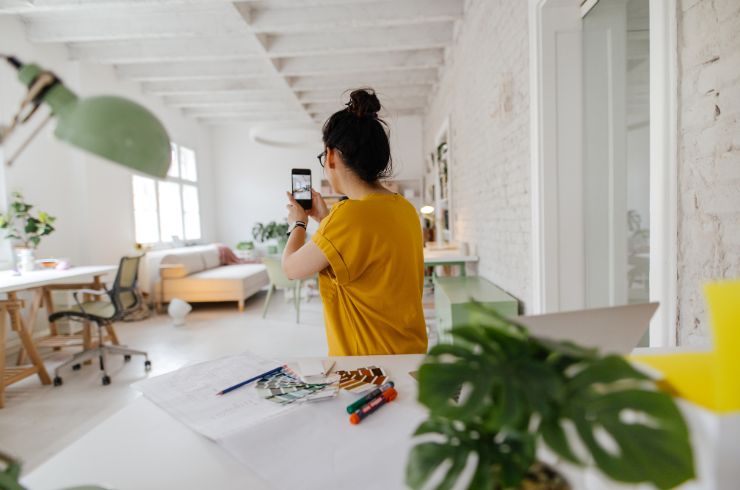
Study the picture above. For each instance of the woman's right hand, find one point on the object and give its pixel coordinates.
(319, 210)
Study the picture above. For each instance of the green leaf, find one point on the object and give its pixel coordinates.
(652, 448)
(440, 382)
(555, 438)
(426, 457)
(35, 240)
(31, 226)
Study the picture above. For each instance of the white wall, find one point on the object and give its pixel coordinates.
(251, 178)
(484, 91)
(90, 197)
(708, 157)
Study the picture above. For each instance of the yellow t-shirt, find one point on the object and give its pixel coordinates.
(373, 286)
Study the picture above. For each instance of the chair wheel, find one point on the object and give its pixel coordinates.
(106, 380)
(127, 358)
(148, 365)
(57, 381)
(77, 367)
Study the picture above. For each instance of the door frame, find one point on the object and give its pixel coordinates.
(553, 245)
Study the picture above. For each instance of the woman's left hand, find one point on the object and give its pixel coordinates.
(295, 210)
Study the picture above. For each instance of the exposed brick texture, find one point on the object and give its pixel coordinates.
(708, 155)
(485, 93)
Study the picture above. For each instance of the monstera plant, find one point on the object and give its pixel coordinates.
(500, 395)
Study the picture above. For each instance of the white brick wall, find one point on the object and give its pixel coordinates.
(709, 155)
(485, 92)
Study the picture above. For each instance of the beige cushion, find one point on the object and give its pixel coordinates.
(230, 282)
(172, 271)
(211, 258)
(192, 261)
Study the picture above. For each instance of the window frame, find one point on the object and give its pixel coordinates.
(181, 183)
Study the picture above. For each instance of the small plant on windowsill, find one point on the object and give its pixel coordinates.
(518, 393)
(25, 229)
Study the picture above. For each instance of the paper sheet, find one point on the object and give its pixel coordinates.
(324, 451)
(189, 394)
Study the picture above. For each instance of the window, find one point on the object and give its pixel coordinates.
(167, 210)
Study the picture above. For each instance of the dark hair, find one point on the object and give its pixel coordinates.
(361, 136)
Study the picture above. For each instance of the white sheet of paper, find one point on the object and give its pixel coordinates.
(189, 395)
(323, 450)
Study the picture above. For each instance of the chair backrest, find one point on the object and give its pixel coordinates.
(275, 272)
(123, 293)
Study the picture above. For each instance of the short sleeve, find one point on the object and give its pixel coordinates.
(334, 238)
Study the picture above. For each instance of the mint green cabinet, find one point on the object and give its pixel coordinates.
(452, 299)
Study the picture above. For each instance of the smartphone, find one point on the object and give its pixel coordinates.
(301, 178)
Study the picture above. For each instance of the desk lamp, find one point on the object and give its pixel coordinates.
(111, 127)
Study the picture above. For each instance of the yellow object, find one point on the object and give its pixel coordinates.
(686, 375)
(373, 286)
(709, 379)
(724, 311)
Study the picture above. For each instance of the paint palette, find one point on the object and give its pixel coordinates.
(284, 388)
(362, 380)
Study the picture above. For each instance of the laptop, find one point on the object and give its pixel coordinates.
(617, 329)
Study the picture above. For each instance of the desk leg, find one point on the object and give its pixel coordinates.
(49, 305)
(2, 356)
(462, 269)
(16, 321)
(38, 298)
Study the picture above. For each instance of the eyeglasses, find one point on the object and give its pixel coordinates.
(322, 158)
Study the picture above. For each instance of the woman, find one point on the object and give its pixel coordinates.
(368, 249)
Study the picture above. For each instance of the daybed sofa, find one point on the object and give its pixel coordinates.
(195, 274)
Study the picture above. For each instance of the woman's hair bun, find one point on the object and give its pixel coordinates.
(363, 102)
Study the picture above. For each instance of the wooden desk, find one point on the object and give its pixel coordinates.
(41, 283)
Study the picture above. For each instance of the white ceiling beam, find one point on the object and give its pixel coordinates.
(200, 70)
(129, 23)
(156, 50)
(342, 96)
(37, 6)
(382, 39)
(237, 118)
(426, 76)
(320, 117)
(231, 111)
(188, 87)
(233, 97)
(258, 107)
(334, 18)
(383, 62)
(388, 105)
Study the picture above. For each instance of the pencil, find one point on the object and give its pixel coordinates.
(239, 385)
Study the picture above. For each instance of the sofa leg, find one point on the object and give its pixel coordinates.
(241, 305)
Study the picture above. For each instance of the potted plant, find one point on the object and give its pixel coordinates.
(25, 230)
(246, 249)
(272, 230)
(519, 393)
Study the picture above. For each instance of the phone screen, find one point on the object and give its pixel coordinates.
(302, 187)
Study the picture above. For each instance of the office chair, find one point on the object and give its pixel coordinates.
(123, 298)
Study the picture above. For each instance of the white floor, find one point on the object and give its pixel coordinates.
(38, 421)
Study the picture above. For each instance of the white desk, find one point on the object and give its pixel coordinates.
(142, 447)
(10, 283)
(41, 283)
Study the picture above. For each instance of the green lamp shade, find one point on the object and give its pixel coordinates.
(116, 129)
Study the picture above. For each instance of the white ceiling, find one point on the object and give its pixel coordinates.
(256, 60)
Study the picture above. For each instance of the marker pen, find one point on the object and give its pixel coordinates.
(388, 396)
(369, 397)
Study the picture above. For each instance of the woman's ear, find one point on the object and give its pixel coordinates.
(331, 155)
